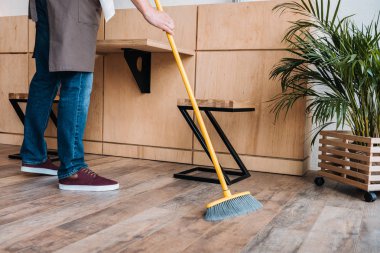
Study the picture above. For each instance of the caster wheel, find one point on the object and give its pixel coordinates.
(370, 196)
(319, 181)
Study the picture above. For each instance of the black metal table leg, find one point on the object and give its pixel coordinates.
(244, 172)
(18, 110)
(241, 174)
(53, 118)
(195, 130)
(198, 134)
(16, 106)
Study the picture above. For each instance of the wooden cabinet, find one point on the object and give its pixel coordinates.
(233, 49)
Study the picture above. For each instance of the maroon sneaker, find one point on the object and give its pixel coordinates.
(87, 180)
(46, 168)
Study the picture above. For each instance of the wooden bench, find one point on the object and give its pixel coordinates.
(15, 99)
(209, 105)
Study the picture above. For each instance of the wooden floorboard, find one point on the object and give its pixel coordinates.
(153, 212)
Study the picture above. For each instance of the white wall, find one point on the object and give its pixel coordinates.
(13, 7)
(364, 10)
(125, 4)
(20, 7)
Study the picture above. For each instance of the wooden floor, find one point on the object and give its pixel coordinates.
(152, 212)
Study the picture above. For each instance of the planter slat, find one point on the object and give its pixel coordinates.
(347, 135)
(350, 159)
(374, 187)
(360, 157)
(375, 178)
(344, 162)
(375, 169)
(375, 159)
(349, 172)
(345, 145)
(345, 180)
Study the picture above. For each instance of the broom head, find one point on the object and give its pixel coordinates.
(231, 206)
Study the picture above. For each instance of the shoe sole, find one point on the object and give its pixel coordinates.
(89, 188)
(43, 171)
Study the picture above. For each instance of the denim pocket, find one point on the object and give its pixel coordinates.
(89, 12)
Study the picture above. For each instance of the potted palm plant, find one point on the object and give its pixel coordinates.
(335, 66)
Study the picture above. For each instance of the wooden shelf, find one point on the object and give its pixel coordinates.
(148, 45)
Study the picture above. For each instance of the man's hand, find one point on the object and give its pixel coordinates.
(160, 20)
(157, 18)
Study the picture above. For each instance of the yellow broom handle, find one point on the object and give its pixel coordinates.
(198, 115)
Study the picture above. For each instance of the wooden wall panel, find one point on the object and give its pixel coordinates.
(94, 129)
(31, 68)
(13, 79)
(90, 147)
(101, 31)
(131, 117)
(149, 153)
(11, 139)
(251, 25)
(244, 75)
(255, 163)
(16, 139)
(32, 35)
(14, 34)
(130, 24)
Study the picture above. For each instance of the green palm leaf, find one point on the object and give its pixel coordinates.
(334, 65)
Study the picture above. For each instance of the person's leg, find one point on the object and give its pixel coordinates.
(72, 116)
(42, 90)
(74, 173)
(73, 107)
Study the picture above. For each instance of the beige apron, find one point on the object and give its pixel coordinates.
(73, 28)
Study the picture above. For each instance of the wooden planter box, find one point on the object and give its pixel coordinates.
(350, 159)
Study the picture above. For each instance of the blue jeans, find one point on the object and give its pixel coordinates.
(73, 106)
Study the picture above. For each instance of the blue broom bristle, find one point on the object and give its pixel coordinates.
(232, 207)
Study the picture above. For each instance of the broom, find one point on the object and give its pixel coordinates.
(231, 204)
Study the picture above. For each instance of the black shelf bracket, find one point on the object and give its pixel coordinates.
(139, 63)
